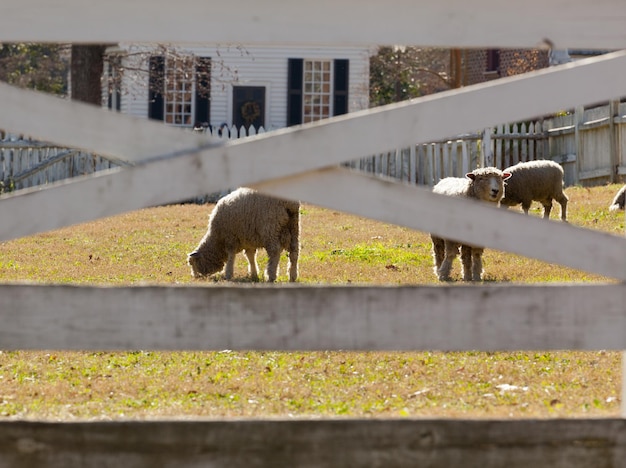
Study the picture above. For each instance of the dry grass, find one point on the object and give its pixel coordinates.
(150, 246)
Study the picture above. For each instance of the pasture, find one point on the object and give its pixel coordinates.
(150, 246)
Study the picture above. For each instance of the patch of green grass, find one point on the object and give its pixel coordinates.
(378, 253)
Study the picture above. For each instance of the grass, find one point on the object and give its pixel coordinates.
(150, 246)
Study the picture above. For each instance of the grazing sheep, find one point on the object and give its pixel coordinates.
(486, 184)
(248, 220)
(619, 200)
(541, 181)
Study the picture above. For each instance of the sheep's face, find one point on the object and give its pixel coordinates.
(488, 184)
(204, 265)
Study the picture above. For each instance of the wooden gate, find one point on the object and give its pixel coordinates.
(169, 165)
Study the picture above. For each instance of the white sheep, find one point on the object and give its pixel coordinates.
(484, 184)
(619, 200)
(541, 181)
(248, 220)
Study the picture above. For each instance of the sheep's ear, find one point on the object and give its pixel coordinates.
(470, 175)
(194, 254)
(506, 175)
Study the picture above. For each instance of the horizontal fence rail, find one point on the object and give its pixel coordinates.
(451, 23)
(291, 317)
(329, 443)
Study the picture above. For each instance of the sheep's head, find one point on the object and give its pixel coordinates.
(488, 183)
(203, 264)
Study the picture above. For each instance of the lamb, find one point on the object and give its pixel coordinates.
(619, 201)
(248, 220)
(539, 180)
(484, 184)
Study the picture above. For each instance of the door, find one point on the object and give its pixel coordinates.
(249, 106)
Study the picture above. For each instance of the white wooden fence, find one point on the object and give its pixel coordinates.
(301, 163)
(587, 142)
(25, 163)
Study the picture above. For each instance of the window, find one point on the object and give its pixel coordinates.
(317, 90)
(493, 60)
(180, 90)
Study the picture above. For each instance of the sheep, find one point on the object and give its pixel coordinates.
(619, 201)
(539, 180)
(248, 220)
(484, 184)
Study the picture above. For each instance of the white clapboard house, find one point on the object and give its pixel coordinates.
(269, 86)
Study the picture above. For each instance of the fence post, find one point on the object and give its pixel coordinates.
(486, 154)
(579, 117)
(546, 140)
(613, 139)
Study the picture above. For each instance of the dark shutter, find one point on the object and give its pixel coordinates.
(157, 84)
(118, 99)
(110, 83)
(294, 91)
(341, 84)
(203, 90)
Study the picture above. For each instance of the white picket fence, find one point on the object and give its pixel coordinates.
(427, 163)
(25, 163)
(303, 163)
(582, 143)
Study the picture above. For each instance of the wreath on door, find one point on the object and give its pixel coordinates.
(250, 111)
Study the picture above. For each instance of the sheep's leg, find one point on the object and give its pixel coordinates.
(547, 208)
(253, 267)
(294, 252)
(562, 200)
(477, 264)
(439, 250)
(466, 260)
(271, 271)
(526, 206)
(451, 251)
(294, 245)
(230, 265)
